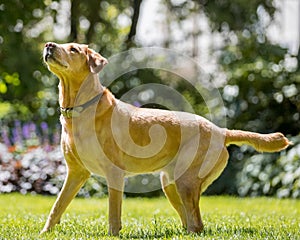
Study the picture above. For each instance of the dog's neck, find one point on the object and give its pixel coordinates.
(74, 92)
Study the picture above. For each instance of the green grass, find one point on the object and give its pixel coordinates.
(22, 217)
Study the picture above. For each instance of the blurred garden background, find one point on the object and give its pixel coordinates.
(249, 50)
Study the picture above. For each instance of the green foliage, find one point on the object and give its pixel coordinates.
(22, 32)
(262, 95)
(145, 185)
(224, 218)
(266, 174)
(236, 14)
(24, 80)
(100, 24)
(10, 111)
(262, 91)
(176, 84)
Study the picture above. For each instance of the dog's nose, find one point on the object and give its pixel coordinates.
(50, 45)
(48, 50)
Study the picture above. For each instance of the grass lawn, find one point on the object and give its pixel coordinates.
(22, 217)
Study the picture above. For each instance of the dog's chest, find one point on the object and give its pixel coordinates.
(82, 144)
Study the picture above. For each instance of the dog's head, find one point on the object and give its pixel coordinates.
(72, 59)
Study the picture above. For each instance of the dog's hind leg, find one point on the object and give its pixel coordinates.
(171, 193)
(189, 192)
(73, 182)
(115, 208)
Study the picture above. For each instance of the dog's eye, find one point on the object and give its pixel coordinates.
(74, 50)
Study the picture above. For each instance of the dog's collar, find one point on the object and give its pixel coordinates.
(70, 112)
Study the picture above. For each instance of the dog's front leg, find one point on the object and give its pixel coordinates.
(115, 191)
(73, 182)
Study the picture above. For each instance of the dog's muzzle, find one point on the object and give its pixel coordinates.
(48, 51)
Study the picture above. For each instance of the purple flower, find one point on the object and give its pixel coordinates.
(5, 136)
(17, 133)
(56, 135)
(26, 131)
(32, 128)
(44, 127)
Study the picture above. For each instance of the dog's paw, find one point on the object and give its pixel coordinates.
(114, 231)
(43, 231)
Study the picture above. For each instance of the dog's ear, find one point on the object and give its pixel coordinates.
(95, 61)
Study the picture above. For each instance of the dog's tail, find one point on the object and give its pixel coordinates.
(273, 142)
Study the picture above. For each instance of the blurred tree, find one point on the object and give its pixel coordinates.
(263, 86)
(236, 14)
(23, 85)
(27, 89)
(105, 24)
(134, 22)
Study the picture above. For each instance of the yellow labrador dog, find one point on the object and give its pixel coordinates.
(105, 136)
